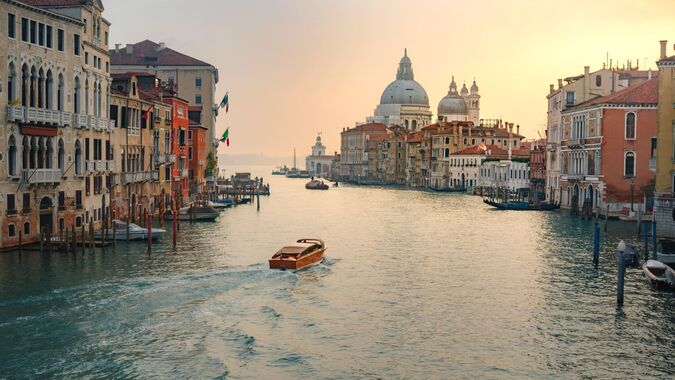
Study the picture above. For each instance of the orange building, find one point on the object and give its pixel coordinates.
(180, 127)
(608, 147)
(197, 151)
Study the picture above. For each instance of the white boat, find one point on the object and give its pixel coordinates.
(666, 258)
(136, 232)
(200, 214)
(659, 274)
(220, 206)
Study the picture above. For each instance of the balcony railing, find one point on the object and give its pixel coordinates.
(171, 158)
(41, 176)
(37, 115)
(652, 163)
(185, 173)
(575, 143)
(134, 177)
(80, 121)
(160, 159)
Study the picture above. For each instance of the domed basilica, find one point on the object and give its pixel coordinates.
(404, 102)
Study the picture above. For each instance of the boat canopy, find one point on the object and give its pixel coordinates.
(297, 248)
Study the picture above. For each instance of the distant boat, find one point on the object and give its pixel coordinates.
(315, 184)
(447, 190)
(304, 253)
(220, 206)
(659, 274)
(136, 232)
(200, 214)
(280, 171)
(521, 206)
(295, 173)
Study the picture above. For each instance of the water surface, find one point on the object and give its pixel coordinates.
(415, 285)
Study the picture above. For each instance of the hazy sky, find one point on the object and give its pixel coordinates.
(294, 68)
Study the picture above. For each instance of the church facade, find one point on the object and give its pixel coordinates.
(319, 164)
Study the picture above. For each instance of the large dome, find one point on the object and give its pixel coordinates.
(404, 90)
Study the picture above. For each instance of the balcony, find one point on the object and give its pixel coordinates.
(20, 114)
(160, 159)
(80, 121)
(652, 164)
(171, 158)
(185, 173)
(551, 146)
(135, 177)
(41, 176)
(575, 143)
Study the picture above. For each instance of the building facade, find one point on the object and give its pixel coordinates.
(319, 164)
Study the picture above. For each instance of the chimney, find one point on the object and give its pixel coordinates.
(130, 49)
(663, 48)
(551, 88)
(559, 83)
(117, 48)
(518, 129)
(587, 82)
(161, 46)
(649, 74)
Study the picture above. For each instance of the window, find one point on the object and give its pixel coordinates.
(11, 230)
(61, 39)
(11, 205)
(78, 199)
(198, 99)
(570, 98)
(653, 147)
(41, 34)
(86, 58)
(107, 67)
(26, 228)
(33, 31)
(62, 200)
(630, 126)
(198, 82)
(49, 36)
(26, 203)
(11, 25)
(598, 80)
(76, 44)
(78, 221)
(629, 165)
(24, 29)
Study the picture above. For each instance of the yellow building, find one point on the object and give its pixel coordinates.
(665, 152)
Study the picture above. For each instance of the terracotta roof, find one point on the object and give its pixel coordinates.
(55, 3)
(129, 74)
(370, 127)
(644, 93)
(149, 53)
(634, 74)
(415, 137)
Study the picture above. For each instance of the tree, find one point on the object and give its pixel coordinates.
(211, 164)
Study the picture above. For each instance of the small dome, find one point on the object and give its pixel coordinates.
(452, 104)
(464, 91)
(474, 87)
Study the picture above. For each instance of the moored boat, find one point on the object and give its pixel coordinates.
(199, 214)
(220, 206)
(302, 254)
(659, 274)
(136, 232)
(521, 206)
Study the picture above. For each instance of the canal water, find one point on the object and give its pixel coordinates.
(415, 285)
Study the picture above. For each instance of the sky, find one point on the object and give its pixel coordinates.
(294, 68)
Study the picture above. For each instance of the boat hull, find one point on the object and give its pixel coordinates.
(295, 265)
(657, 273)
(133, 235)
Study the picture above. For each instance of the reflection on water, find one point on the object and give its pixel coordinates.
(415, 285)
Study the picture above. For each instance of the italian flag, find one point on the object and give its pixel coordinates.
(226, 102)
(226, 136)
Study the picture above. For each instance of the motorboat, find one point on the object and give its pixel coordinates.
(666, 253)
(659, 274)
(199, 214)
(136, 232)
(220, 206)
(280, 171)
(300, 255)
(316, 184)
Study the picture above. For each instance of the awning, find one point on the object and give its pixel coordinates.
(38, 130)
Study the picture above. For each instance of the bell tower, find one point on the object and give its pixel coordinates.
(473, 104)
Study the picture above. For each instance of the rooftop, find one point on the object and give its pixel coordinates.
(644, 93)
(151, 53)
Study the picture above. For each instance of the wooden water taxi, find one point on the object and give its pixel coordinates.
(302, 254)
(315, 184)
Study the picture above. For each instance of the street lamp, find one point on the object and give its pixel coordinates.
(632, 186)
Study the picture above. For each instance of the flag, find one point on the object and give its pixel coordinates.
(226, 102)
(226, 136)
(146, 114)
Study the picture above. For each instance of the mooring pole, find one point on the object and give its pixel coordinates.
(654, 242)
(621, 271)
(174, 225)
(596, 244)
(149, 227)
(645, 239)
(606, 216)
(639, 220)
(257, 195)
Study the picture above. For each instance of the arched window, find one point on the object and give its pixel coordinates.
(630, 126)
(447, 152)
(41, 89)
(76, 95)
(33, 86)
(25, 85)
(49, 91)
(12, 157)
(629, 164)
(11, 82)
(406, 123)
(62, 156)
(60, 93)
(414, 125)
(78, 158)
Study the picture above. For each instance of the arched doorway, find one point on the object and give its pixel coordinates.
(46, 215)
(463, 182)
(591, 196)
(318, 169)
(575, 199)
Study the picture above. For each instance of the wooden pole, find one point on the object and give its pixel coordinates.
(621, 271)
(645, 239)
(606, 216)
(175, 224)
(639, 220)
(149, 227)
(84, 238)
(258, 198)
(42, 240)
(654, 242)
(91, 233)
(596, 244)
(20, 243)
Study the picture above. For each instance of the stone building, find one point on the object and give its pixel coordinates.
(538, 171)
(354, 148)
(462, 106)
(319, 164)
(607, 146)
(665, 165)
(53, 105)
(195, 79)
